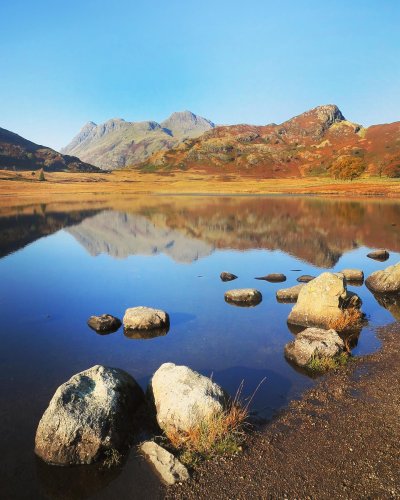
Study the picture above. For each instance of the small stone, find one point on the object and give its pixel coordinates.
(105, 323)
(289, 294)
(381, 255)
(243, 296)
(227, 276)
(145, 318)
(305, 278)
(273, 277)
(353, 274)
(170, 468)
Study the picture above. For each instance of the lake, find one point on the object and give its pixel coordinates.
(62, 263)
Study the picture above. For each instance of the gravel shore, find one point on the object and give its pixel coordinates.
(340, 440)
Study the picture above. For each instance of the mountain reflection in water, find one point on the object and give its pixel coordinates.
(318, 231)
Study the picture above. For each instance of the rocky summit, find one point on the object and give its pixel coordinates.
(305, 145)
(118, 143)
(17, 153)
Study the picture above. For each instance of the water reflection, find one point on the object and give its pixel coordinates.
(314, 230)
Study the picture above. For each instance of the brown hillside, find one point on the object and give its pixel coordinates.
(305, 145)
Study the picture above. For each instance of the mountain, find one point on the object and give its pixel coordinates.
(20, 154)
(304, 145)
(118, 143)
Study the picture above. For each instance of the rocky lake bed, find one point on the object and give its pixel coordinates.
(73, 279)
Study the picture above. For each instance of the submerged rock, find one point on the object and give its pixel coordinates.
(313, 342)
(353, 275)
(391, 302)
(145, 334)
(183, 398)
(170, 468)
(289, 294)
(106, 323)
(386, 281)
(227, 276)
(145, 318)
(381, 255)
(243, 296)
(323, 301)
(89, 415)
(305, 278)
(273, 277)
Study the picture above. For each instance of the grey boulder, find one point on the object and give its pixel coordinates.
(169, 468)
(386, 281)
(90, 414)
(183, 398)
(313, 342)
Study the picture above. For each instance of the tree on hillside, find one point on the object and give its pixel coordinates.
(346, 167)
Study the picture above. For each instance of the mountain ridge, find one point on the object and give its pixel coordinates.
(306, 144)
(117, 143)
(19, 153)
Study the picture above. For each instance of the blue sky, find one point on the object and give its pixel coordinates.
(64, 63)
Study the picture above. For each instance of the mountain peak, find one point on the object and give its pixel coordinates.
(185, 123)
(315, 121)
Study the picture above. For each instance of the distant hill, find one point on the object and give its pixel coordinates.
(20, 154)
(118, 143)
(304, 145)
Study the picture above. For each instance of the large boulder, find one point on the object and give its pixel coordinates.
(243, 296)
(289, 294)
(89, 415)
(386, 281)
(170, 468)
(323, 302)
(183, 398)
(313, 342)
(145, 318)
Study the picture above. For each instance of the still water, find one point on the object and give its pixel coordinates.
(61, 264)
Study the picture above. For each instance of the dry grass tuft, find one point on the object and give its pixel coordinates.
(319, 364)
(350, 319)
(221, 434)
(112, 458)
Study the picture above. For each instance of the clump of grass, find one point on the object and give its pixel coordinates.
(321, 364)
(221, 434)
(350, 319)
(112, 458)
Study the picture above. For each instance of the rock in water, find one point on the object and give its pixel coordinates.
(313, 342)
(87, 416)
(104, 323)
(227, 276)
(170, 468)
(323, 301)
(145, 318)
(183, 398)
(273, 277)
(354, 275)
(243, 296)
(289, 294)
(386, 281)
(305, 278)
(381, 255)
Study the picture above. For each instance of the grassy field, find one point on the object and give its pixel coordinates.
(20, 188)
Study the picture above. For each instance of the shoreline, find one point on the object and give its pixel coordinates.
(60, 186)
(339, 440)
